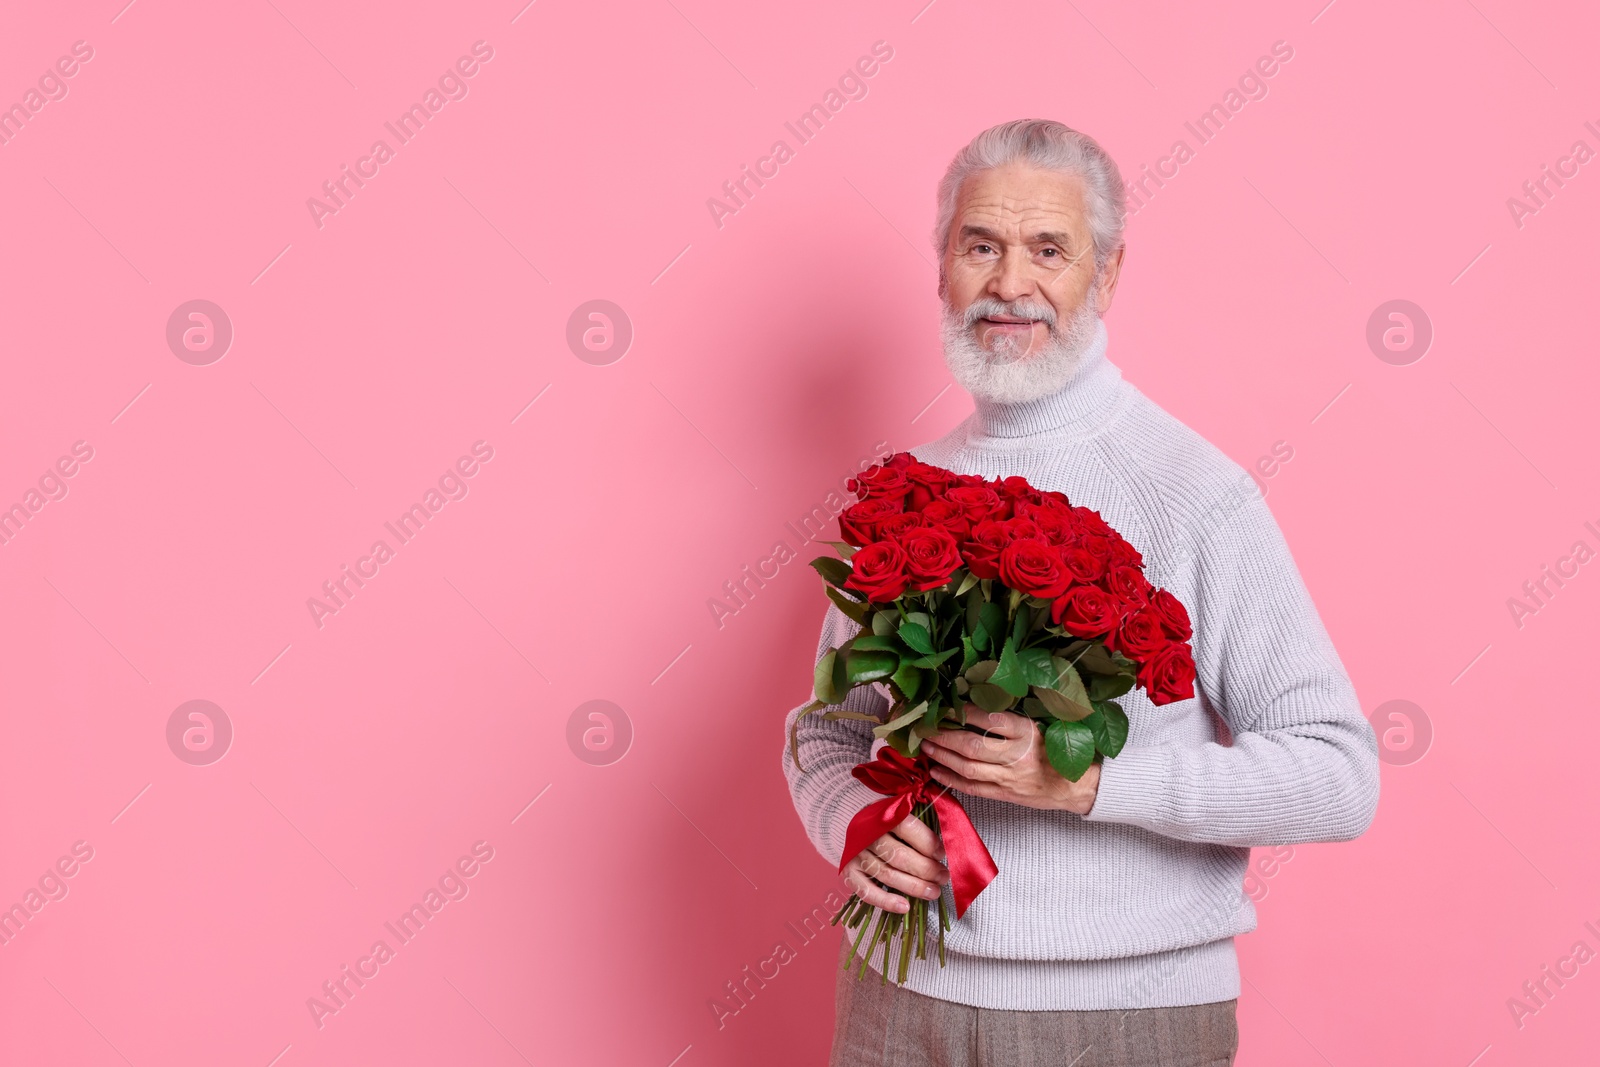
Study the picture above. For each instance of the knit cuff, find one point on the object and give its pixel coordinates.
(1138, 787)
(854, 796)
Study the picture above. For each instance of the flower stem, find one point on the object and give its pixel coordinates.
(911, 926)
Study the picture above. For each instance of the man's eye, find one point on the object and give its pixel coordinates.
(982, 248)
(1056, 252)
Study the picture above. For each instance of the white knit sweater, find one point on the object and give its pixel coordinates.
(1136, 904)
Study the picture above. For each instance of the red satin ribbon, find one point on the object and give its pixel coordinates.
(907, 785)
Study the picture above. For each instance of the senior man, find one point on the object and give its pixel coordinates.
(1107, 937)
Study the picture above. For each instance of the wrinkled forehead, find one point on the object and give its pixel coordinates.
(1019, 203)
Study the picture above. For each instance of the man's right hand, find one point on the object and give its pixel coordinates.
(908, 858)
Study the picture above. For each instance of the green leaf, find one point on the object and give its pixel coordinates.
(883, 620)
(1019, 626)
(1013, 600)
(868, 665)
(916, 637)
(934, 660)
(981, 670)
(794, 730)
(845, 550)
(991, 625)
(921, 618)
(855, 609)
(1069, 683)
(969, 654)
(1037, 668)
(1096, 660)
(991, 697)
(885, 729)
(841, 713)
(1070, 748)
(875, 643)
(822, 681)
(966, 583)
(1034, 708)
(1109, 686)
(1113, 732)
(1060, 706)
(909, 679)
(1009, 674)
(833, 571)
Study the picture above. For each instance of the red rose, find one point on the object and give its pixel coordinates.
(878, 572)
(1012, 491)
(971, 479)
(1018, 528)
(1174, 616)
(900, 461)
(980, 502)
(1168, 675)
(1056, 525)
(1033, 566)
(1129, 585)
(1140, 636)
(1086, 612)
(858, 523)
(1096, 545)
(948, 514)
(931, 556)
(928, 483)
(879, 481)
(1050, 498)
(895, 527)
(981, 552)
(1124, 554)
(1093, 523)
(1083, 565)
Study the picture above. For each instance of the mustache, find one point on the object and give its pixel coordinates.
(988, 307)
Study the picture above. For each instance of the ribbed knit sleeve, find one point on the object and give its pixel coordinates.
(1303, 763)
(825, 794)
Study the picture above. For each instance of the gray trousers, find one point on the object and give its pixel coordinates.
(878, 1024)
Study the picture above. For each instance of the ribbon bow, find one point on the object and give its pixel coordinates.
(906, 785)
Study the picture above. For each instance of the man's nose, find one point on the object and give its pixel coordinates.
(1012, 279)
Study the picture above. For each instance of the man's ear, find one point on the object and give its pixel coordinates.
(1106, 288)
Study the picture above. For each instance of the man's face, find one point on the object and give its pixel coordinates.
(1020, 238)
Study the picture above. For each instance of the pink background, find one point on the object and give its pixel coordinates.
(769, 357)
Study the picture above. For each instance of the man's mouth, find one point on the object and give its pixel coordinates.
(1007, 322)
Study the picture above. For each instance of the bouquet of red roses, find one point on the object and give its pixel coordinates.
(986, 592)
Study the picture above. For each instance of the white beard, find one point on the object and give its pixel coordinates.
(1002, 374)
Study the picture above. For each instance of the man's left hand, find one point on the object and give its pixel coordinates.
(1011, 766)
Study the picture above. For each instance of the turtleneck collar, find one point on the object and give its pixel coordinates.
(1080, 405)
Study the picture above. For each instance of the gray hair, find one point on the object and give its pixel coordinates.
(1050, 146)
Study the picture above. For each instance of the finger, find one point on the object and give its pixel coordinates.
(955, 740)
(888, 874)
(968, 768)
(1013, 749)
(920, 836)
(951, 780)
(901, 856)
(998, 750)
(1006, 723)
(871, 892)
